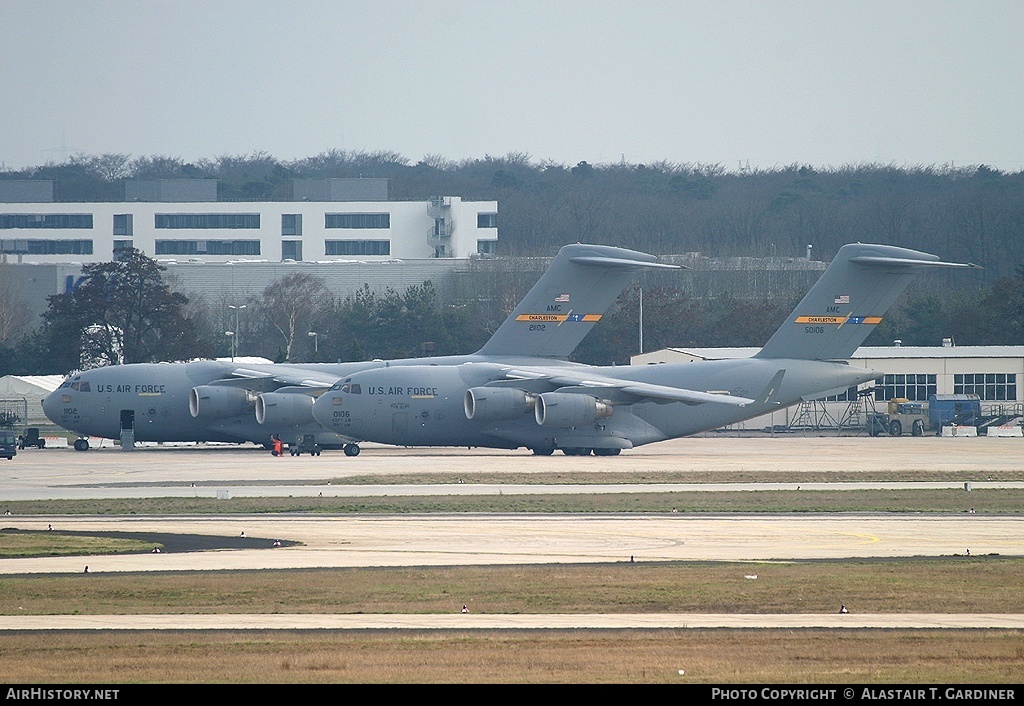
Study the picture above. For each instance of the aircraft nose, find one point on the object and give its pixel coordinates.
(333, 411)
(51, 405)
(322, 410)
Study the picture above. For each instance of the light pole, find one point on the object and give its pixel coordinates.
(234, 334)
(641, 320)
(231, 335)
(316, 343)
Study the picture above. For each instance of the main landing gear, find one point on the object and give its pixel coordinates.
(81, 445)
(576, 451)
(351, 449)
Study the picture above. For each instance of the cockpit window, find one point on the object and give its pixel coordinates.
(352, 388)
(341, 385)
(80, 386)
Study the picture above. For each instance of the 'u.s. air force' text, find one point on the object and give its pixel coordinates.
(138, 389)
(405, 391)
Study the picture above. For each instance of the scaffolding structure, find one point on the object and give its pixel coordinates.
(860, 412)
(812, 415)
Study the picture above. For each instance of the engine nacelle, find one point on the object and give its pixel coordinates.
(218, 402)
(490, 404)
(274, 409)
(566, 409)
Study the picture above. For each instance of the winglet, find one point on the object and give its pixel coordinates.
(770, 394)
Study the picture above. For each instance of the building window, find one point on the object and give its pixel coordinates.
(987, 386)
(183, 221)
(45, 220)
(849, 396)
(486, 247)
(46, 247)
(121, 248)
(122, 224)
(487, 220)
(207, 247)
(357, 220)
(357, 247)
(291, 250)
(916, 387)
(291, 224)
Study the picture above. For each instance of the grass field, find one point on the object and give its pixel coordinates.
(517, 657)
(979, 584)
(984, 500)
(951, 585)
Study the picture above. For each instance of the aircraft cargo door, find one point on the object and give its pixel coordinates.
(127, 429)
(399, 424)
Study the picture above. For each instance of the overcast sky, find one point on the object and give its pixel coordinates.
(769, 82)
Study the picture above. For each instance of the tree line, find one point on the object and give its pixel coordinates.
(125, 312)
(970, 213)
(966, 213)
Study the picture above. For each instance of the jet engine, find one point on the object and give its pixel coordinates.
(565, 409)
(490, 404)
(217, 402)
(275, 409)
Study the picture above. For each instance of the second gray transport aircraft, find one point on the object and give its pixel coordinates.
(545, 404)
(520, 389)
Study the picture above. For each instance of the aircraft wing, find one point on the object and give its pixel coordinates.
(277, 377)
(622, 391)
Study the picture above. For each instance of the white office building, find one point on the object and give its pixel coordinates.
(326, 220)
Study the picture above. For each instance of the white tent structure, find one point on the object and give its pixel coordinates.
(23, 395)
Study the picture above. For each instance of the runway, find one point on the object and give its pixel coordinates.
(439, 540)
(969, 459)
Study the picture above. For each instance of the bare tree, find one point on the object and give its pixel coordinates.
(288, 308)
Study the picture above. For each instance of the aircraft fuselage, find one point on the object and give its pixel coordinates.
(427, 405)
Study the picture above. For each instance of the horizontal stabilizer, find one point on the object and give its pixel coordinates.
(907, 262)
(621, 262)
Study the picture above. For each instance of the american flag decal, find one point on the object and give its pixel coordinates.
(562, 298)
(843, 299)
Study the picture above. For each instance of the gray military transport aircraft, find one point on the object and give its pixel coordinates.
(239, 402)
(543, 404)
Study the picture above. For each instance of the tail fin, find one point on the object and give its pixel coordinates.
(846, 303)
(569, 298)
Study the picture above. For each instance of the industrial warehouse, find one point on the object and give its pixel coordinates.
(920, 375)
